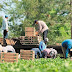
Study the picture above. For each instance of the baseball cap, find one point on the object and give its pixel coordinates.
(46, 39)
(6, 16)
(34, 22)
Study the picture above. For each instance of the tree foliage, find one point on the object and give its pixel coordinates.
(56, 14)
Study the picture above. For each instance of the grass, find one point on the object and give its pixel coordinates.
(38, 65)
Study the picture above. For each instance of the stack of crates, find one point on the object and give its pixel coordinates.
(9, 57)
(30, 40)
(27, 54)
(30, 37)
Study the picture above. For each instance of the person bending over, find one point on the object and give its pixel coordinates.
(66, 46)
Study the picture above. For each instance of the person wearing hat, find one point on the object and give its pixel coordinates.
(66, 46)
(43, 28)
(5, 27)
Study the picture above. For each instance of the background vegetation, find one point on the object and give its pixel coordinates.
(22, 13)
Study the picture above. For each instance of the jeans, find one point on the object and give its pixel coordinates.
(45, 34)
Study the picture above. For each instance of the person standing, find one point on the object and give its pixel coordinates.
(5, 27)
(66, 46)
(43, 28)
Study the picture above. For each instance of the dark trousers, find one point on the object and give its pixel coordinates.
(45, 34)
(4, 33)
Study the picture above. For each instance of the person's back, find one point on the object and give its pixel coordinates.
(9, 48)
(4, 24)
(49, 53)
(42, 26)
(67, 43)
(45, 53)
(42, 46)
(37, 52)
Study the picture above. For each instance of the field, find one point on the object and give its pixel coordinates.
(38, 65)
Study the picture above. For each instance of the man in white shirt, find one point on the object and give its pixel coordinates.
(5, 27)
(43, 28)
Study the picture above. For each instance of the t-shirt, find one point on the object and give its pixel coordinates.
(42, 46)
(5, 24)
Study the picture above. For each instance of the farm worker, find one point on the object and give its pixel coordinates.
(66, 46)
(49, 53)
(8, 48)
(5, 27)
(43, 28)
(37, 52)
(42, 44)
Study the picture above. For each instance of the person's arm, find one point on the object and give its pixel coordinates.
(40, 54)
(66, 54)
(40, 28)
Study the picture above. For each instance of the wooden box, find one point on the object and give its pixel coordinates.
(9, 57)
(30, 31)
(27, 54)
(30, 40)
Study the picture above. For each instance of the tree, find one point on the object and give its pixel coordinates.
(56, 14)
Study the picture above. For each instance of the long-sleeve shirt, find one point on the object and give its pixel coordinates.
(5, 24)
(42, 26)
(68, 45)
(37, 51)
(42, 46)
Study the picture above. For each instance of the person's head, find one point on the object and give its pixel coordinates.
(46, 40)
(6, 16)
(35, 22)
